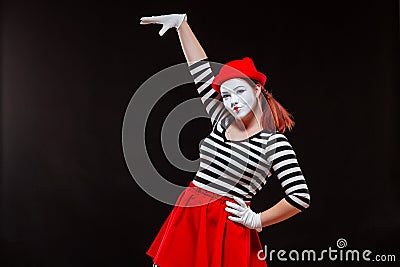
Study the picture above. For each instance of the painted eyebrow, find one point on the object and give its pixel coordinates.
(239, 86)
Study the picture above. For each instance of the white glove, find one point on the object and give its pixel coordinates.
(244, 214)
(168, 21)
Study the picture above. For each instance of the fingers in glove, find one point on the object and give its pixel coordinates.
(234, 205)
(235, 219)
(240, 201)
(148, 20)
(233, 211)
(164, 28)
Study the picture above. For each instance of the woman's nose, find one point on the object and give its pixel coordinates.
(234, 100)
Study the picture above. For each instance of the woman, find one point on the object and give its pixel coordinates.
(212, 223)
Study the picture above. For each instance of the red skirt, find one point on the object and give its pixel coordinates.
(198, 233)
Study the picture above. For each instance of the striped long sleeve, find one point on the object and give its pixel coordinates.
(203, 76)
(284, 164)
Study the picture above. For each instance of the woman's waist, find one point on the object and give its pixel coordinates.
(195, 186)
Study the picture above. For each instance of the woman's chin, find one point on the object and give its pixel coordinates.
(239, 116)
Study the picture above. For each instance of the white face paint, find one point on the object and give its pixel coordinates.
(238, 97)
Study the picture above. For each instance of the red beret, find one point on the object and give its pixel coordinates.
(241, 68)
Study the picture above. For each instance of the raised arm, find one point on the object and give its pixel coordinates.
(197, 60)
(190, 45)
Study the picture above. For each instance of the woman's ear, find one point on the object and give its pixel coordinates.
(258, 89)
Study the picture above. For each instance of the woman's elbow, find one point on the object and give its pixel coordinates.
(307, 201)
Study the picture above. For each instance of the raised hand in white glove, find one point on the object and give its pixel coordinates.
(168, 21)
(244, 214)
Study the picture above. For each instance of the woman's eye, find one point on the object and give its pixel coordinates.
(240, 91)
(225, 96)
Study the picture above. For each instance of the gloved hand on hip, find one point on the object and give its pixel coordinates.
(167, 21)
(244, 214)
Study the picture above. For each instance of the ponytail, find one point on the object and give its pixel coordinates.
(276, 117)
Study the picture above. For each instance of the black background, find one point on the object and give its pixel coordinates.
(70, 68)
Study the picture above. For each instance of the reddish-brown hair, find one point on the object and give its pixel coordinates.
(275, 117)
(282, 120)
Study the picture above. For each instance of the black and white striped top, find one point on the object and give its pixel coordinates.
(241, 168)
